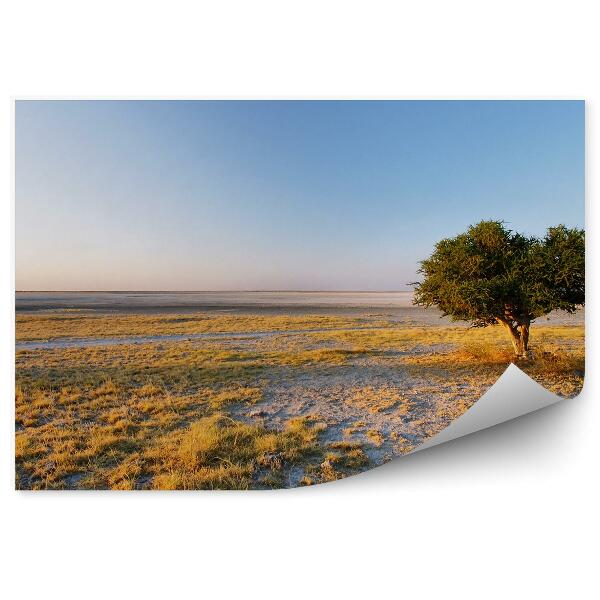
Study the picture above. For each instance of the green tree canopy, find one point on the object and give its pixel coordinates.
(491, 275)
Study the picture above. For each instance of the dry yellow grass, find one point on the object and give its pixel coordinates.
(139, 416)
(375, 436)
(555, 363)
(219, 452)
(163, 415)
(63, 324)
(406, 337)
(381, 399)
(145, 437)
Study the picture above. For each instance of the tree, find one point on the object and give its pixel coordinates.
(493, 276)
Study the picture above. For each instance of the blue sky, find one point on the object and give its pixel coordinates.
(302, 195)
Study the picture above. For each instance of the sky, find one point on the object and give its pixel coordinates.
(279, 195)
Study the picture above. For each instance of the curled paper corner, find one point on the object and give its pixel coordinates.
(513, 395)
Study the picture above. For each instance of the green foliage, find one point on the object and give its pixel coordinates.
(556, 271)
(491, 275)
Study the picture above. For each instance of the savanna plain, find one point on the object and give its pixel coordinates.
(118, 396)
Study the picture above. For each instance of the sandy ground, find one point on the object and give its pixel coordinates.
(410, 409)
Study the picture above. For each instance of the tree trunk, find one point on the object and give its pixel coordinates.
(525, 337)
(519, 336)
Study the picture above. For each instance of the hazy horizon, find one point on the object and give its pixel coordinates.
(223, 291)
(299, 196)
